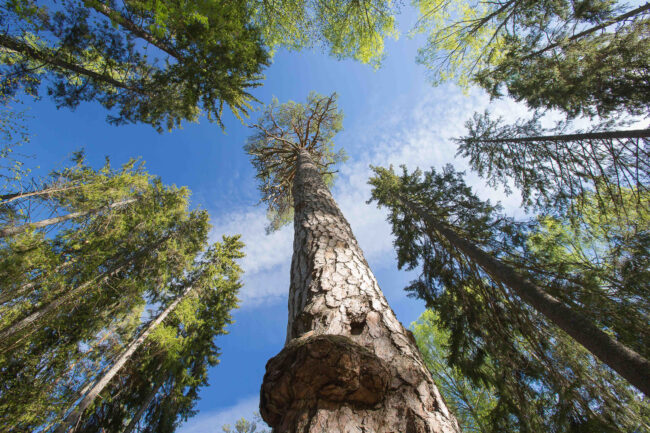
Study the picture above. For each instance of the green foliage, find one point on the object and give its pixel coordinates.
(556, 168)
(172, 364)
(245, 426)
(600, 267)
(84, 284)
(166, 62)
(13, 134)
(469, 403)
(93, 50)
(469, 36)
(583, 57)
(283, 131)
(542, 380)
(355, 29)
(603, 74)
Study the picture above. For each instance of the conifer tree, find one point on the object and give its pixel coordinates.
(554, 168)
(347, 363)
(472, 259)
(470, 403)
(170, 355)
(163, 63)
(72, 299)
(99, 50)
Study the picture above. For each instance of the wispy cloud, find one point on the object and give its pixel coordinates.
(212, 421)
(414, 135)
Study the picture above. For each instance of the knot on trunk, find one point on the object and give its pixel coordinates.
(329, 368)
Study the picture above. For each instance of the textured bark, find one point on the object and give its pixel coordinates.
(620, 358)
(70, 422)
(348, 364)
(14, 230)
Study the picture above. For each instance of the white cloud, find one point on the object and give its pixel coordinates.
(416, 136)
(212, 421)
(266, 265)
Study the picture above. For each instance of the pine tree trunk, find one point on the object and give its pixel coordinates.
(14, 230)
(603, 135)
(348, 365)
(71, 421)
(620, 358)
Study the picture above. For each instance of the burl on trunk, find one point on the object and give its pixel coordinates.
(348, 364)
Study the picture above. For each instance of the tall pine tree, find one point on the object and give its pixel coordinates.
(347, 363)
(542, 379)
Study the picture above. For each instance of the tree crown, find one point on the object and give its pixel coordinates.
(283, 131)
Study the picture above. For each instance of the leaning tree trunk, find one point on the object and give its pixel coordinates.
(14, 230)
(71, 421)
(620, 358)
(348, 365)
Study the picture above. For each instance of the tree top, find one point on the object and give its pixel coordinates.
(282, 132)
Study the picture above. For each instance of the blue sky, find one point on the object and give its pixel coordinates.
(392, 116)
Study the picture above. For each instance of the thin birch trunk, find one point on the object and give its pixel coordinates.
(348, 364)
(620, 358)
(71, 421)
(14, 230)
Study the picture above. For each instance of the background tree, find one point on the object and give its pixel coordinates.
(470, 403)
(162, 63)
(347, 361)
(209, 54)
(541, 377)
(245, 426)
(583, 57)
(73, 298)
(347, 29)
(157, 388)
(555, 168)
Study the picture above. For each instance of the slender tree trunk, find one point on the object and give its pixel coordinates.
(605, 135)
(132, 27)
(71, 421)
(620, 358)
(56, 59)
(640, 10)
(143, 408)
(23, 289)
(8, 198)
(348, 365)
(37, 315)
(14, 230)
